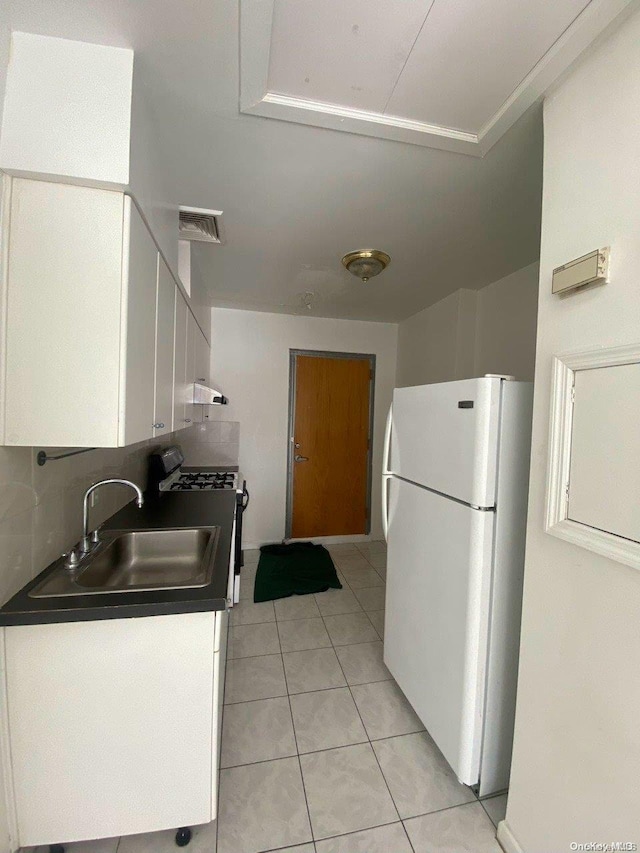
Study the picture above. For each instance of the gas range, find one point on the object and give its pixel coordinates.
(193, 481)
(166, 474)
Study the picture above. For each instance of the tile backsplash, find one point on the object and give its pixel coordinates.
(212, 443)
(41, 506)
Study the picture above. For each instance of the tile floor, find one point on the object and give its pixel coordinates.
(321, 753)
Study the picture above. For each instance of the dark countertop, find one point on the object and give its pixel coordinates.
(171, 509)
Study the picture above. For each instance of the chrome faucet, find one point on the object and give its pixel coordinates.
(87, 543)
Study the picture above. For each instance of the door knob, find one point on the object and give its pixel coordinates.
(299, 458)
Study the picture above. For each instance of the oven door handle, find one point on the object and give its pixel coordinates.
(245, 497)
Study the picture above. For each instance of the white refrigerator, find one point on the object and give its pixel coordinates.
(454, 490)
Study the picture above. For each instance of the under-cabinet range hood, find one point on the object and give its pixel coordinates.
(205, 396)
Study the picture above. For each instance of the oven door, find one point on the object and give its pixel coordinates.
(233, 588)
(242, 502)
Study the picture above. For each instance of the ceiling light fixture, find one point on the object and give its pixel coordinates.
(366, 263)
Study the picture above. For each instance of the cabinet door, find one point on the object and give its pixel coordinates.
(63, 307)
(219, 671)
(203, 359)
(192, 333)
(165, 322)
(180, 362)
(127, 730)
(138, 333)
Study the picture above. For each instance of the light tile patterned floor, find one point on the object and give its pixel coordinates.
(368, 777)
(321, 752)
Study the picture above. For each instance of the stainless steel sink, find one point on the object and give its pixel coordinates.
(137, 560)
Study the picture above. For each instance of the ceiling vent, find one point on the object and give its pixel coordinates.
(202, 225)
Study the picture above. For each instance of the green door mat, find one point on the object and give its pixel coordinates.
(296, 569)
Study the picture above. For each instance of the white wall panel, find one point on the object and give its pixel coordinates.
(604, 487)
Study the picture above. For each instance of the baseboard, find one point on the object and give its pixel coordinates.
(507, 840)
(336, 540)
(324, 540)
(318, 540)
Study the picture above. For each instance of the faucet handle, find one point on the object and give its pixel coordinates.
(73, 560)
(95, 536)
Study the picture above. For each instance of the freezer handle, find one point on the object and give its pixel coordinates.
(387, 442)
(385, 505)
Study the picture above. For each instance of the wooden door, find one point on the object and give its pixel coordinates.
(331, 446)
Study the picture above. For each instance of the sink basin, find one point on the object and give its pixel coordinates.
(138, 560)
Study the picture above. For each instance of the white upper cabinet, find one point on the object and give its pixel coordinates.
(165, 322)
(63, 324)
(180, 363)
(138, 333)
(100, 347)
(203, 359)
(193, 331)
(192, 355)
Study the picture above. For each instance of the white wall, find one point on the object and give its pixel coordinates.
(5, 43)
(250, 361)
(437, 344)
(470, 333)
(576, 757)
(506, 325)
(5, 40)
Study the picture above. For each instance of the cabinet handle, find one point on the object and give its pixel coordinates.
(201, 378)
(187, 420)
(158, 426)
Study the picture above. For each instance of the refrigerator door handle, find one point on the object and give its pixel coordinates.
(385, 505)
(387, 442)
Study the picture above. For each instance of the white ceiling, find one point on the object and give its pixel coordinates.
(296, 198)
(451, 63)
(451, 74)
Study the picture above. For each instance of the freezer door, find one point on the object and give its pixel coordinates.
(445, 437)
(437, 616)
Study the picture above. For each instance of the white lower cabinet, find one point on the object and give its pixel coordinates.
(114, 725)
